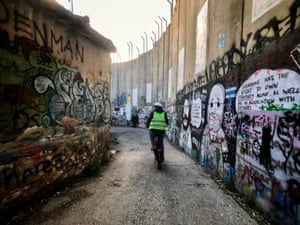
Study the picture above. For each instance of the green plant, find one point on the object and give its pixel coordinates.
(94, 168)
(248, 197)
(231, 187)
(105, 159)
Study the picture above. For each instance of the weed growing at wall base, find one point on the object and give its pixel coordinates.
(94, 168)
(230, 187)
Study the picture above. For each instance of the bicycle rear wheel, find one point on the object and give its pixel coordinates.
(159, 158)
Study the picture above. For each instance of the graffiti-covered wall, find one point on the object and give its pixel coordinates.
(54, 94)
(243, 124)
(233, 97)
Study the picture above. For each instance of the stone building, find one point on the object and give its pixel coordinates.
(54, 94)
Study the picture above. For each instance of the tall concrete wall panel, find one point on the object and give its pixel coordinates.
(237, 109)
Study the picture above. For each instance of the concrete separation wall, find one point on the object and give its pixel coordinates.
(230, 83)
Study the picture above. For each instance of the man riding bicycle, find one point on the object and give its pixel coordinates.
(157, 124)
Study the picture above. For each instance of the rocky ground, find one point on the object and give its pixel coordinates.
(131, 190)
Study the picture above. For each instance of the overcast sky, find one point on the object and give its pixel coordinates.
(123, 21)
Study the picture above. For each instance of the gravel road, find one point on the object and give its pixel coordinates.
(131, 190)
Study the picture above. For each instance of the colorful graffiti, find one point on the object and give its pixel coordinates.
(214, 145)
(251, 133)
(35, 89)
(246, 128)
(53, 121)
(72, 98)
(268, 139)
(27, 169)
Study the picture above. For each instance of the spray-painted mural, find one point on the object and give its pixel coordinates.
(214, 144)
(238, 114)
(73, 97)
(240, 118)
(36, 89)
(50, 113)
(268, 140)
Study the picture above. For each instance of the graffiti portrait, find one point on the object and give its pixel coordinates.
(185, 132)
(214, 143)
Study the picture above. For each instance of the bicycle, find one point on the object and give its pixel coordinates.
(158, 151)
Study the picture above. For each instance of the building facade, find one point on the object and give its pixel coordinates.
(54, 94)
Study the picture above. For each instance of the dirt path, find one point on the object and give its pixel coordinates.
(132, 190)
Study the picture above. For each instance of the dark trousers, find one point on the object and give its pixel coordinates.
(159, 142)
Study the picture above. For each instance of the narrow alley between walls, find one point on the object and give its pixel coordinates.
(131, 190)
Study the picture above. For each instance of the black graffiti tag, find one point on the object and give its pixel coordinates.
(288, 130)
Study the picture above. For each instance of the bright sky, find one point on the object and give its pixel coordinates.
(124, 21)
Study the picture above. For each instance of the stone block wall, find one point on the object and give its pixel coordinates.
(54, 94)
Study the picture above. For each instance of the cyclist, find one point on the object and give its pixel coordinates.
(157, 124)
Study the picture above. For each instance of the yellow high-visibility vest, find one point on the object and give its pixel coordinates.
(158, 122)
